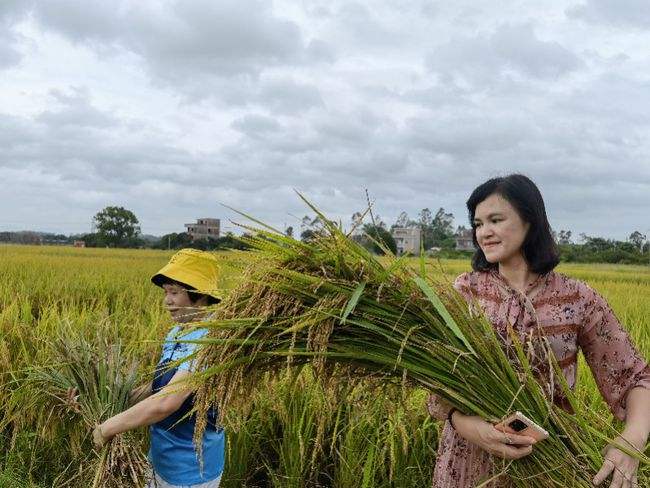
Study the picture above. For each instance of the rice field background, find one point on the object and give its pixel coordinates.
(296, 433)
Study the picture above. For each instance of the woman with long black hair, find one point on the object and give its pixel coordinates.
(514, 283)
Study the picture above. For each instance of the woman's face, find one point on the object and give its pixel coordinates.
(178, 304)
(500, 231)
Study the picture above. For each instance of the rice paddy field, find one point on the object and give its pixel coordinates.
(295, 434)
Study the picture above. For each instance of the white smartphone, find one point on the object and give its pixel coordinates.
(524, 426)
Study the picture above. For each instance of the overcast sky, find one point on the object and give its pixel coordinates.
(170, 108)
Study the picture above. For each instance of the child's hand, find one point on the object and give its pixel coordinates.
(99, 439)
(72, 399)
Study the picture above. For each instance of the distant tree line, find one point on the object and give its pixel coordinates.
(636, 250)
(183, 239)
(118, 227)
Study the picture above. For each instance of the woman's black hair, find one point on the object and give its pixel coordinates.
(539, 248)
(194, 295)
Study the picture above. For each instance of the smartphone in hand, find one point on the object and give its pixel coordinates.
(522, 425)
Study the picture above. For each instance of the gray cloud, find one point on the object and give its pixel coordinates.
(362, 25)
(511, 48)
(76, 111)
(171, 108)
(256, 125)
(620, 13)
(11, 12)
(287, 96)
(9, 56)
(187, 43)
(83, 21)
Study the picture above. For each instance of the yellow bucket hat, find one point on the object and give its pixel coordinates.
(198, 269)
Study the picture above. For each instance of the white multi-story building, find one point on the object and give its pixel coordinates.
(464, 241)
(204, 228)
(407, 239)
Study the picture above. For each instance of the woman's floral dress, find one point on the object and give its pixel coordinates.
(571, 316)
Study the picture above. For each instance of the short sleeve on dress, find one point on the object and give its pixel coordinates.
(462, 284)
(615, 363)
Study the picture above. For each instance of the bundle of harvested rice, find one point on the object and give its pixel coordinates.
(331, 301)
(103, 378)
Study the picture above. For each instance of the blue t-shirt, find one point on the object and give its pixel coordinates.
(172, 452)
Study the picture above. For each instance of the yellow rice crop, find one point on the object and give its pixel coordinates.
(42, 288)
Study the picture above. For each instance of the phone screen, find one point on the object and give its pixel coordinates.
(517, 425)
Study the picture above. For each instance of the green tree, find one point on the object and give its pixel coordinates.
(312, 228)
(376, 234)
(308, 235)
(230, 241)
(442, 227)
(564, 237)
(438, 229)
(637, 239)
(403, 220)
(117, 227)
(174, 241)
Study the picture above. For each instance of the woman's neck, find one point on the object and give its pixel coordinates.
(517, 273)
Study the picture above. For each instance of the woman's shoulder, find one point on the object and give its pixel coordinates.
(563, 285)
(560, 280)
(470, 280)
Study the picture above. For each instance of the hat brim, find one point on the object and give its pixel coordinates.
(185, 277)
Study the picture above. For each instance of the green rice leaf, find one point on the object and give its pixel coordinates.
(442, 310)
(352, 303)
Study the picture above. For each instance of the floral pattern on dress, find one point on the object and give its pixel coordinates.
(571, 316)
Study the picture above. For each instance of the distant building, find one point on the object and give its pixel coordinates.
(407, 239)
(464, 241)
(204, 228)
(79, 244)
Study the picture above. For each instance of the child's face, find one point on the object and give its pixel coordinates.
(178, 304)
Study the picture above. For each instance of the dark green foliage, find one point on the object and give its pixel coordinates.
(377, 239)
(175, 240)
(117, 227)
(600, 250)
(308, 235)
(183, 240)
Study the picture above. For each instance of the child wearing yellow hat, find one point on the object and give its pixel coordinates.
(190, 283)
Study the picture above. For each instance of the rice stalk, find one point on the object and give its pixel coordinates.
(331, 301)
(103, 378)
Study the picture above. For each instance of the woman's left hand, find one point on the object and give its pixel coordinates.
(99, 439)
(623, 466)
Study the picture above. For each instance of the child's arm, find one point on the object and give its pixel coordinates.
(152, 409)
(141, 392)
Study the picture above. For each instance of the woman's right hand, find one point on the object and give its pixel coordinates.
(507, 444)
